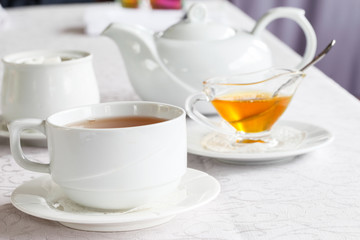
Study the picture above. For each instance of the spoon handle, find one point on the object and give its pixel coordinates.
(320, 55)
(312, 62)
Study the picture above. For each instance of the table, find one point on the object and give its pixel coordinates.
(315, 196)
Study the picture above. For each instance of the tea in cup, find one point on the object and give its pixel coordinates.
(117, 155)
(37, 84)
(249, 103)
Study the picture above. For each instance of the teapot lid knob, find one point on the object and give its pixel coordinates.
(197, 27)
(197, 13)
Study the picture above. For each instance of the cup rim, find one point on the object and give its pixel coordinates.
(81, 56)
(50, 120)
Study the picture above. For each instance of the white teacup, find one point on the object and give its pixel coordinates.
(37, 84)
(110, 168)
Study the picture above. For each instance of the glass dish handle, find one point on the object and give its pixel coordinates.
(194, 114)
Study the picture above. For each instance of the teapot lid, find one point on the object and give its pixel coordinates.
(197, 27)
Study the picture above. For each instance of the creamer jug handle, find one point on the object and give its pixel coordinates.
(298, 15)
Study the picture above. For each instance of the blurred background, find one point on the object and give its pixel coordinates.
(331, 19)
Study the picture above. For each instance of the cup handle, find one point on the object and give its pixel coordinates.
(298, 15)
(15, 129)
(200, 118)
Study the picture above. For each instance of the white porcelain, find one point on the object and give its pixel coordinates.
(168, 66)
(315, 138)
(29, 138)
(34, 88)
(117, 168)
(40, 197)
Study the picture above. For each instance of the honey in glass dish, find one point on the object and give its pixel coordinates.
(251, 112)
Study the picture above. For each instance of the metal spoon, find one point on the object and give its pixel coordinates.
(312, 62)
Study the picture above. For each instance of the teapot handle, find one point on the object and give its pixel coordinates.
(298, 15)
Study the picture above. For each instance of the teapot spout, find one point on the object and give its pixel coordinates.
(131, 40)
(145, 68)
(137, 48)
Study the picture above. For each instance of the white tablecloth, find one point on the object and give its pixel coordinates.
(315, 196)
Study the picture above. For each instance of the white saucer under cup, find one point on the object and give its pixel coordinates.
(110, 167)
(42, 198)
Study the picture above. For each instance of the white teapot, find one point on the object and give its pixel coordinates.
(168, 66)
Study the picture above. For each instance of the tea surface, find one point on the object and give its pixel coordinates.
(251, 112)
(117, 122)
